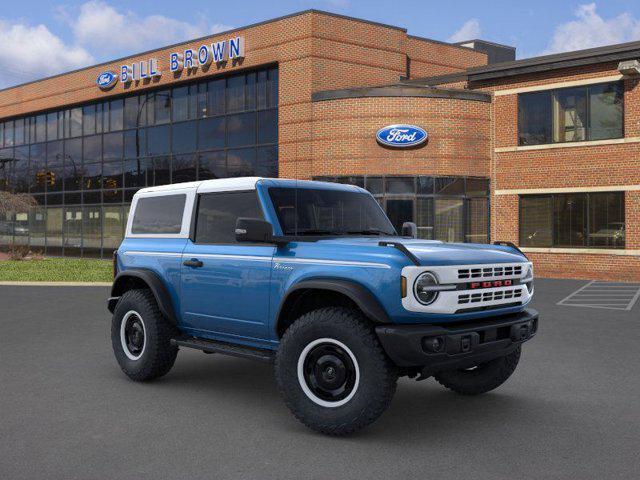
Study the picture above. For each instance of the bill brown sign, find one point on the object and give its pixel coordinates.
(189, 59)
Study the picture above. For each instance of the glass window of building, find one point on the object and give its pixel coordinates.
(451, 209)
(83, 164)
(578, 220)
(591, 112)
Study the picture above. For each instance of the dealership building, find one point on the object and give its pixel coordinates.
(542, 152)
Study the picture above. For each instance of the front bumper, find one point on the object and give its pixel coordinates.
(462, 345)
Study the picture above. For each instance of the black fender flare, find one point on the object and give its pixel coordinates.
(359, 294)
(152, 281)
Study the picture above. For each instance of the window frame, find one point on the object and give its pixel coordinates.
(193, 227)
(186, 213)
(554, 222)
(552, 92)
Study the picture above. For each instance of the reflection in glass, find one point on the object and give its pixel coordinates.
(449, 216)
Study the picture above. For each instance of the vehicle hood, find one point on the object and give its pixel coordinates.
(433, 252)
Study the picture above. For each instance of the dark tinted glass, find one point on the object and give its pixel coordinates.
(131, 112)
(183, 137)
(180, 104)
(162, 109)
(116, 115)
(400, 185)
(425, 185)
(112, 175)
(305, 211)
(159, 215)
(211, 134)
(399, 211)
(215, 97)
(112, 146)
(218, 213)
(184, 168)
(241, 162)
(424, 218)
(450, 186)
(570, 217)
(374, 185)
(606, 220)
(268, 126)
(212, 165)
(477, 187)
(92, 148)
(267, 162)
(241, 129)
(536, 221)
(235, 94)
(606, 111)
(534, 118)
(135, 172)
(158, 140)
(161, 170)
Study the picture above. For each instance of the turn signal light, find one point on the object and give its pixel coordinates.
(403, 286)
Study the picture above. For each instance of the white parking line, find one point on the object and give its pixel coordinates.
(612, 296)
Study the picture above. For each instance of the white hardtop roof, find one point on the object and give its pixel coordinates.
(225, 185)
(216, 185)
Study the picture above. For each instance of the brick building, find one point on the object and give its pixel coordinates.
(540, 152)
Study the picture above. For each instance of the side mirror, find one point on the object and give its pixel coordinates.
(409, 229)
(254, 230)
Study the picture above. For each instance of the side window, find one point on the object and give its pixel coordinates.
(159, 215)
(218, 212)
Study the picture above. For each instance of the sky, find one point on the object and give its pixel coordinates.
(39, 38)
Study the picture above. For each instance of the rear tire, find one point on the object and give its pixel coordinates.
(481, 379)
(332, 372)
(141, 337)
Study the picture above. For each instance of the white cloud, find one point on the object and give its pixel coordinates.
(591, 30)
(29, 52)
(107, 31)
(469, 31)
(97, 31)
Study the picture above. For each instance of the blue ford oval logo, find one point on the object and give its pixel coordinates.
(401, 136)
(106, 80)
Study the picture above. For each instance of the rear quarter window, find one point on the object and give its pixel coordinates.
(159, 215)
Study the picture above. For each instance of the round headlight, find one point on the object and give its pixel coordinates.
(423, 288)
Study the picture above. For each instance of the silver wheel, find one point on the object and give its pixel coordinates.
(132, 335)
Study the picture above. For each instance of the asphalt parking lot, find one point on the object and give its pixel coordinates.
(571, 410)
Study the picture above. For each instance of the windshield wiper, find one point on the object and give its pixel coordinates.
(369, 231)
(315, 231)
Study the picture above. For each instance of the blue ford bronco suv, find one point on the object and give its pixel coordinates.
(314, 278)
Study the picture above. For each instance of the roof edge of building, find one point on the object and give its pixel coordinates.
(400, 90)
(556, 61)
(225, 32)
(442, 42)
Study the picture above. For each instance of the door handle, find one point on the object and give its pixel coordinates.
(194, 262)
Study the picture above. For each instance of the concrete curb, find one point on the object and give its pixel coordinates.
(57, 284)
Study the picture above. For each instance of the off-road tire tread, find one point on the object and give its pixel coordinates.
(386, 375)
(159, 355)
(465, 384)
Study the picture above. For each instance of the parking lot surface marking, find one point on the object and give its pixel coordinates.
(609, 295)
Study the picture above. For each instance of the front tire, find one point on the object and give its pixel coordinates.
(141, 337)
(332, 371)
(482, 378)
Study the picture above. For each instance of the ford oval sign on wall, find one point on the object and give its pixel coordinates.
(106, 80)
(401, 136)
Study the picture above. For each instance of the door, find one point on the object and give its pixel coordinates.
(225, 284)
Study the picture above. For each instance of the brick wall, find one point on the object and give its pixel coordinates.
(344, 137)
(315, 51)
(429, 58)
(566, 167)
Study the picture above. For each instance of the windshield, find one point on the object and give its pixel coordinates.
(306, 211)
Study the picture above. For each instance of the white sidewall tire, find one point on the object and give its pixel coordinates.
(303, 383)
(123, 341)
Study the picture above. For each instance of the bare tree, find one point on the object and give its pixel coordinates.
(15, 202)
